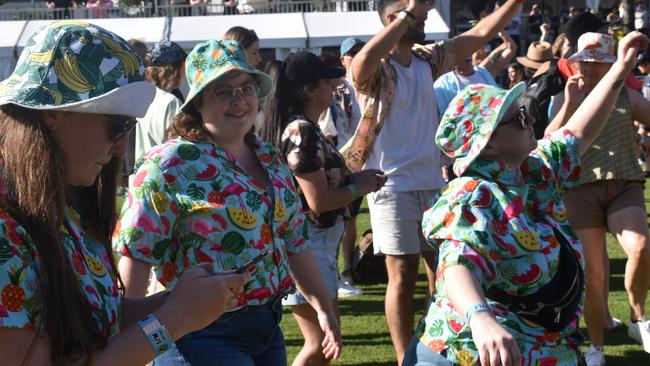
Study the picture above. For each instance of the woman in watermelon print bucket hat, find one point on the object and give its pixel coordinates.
(510, 279)
(65, 113)
(216, 193)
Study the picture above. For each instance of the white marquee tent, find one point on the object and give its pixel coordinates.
(284, 32)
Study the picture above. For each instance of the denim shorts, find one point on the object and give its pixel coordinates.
(418, 354)
(250, 336)
(324, 245)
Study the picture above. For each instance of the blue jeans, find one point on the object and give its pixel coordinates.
(247, 337)
(418, 354)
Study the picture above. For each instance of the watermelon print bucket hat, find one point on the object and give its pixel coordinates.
(211, 60)
(470, 120)
(79, 67)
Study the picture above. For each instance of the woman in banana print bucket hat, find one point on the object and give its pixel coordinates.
(510, 280)
(65, 113)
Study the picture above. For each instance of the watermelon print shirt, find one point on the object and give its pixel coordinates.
(498, 220)
(21, 305)
(191, 202)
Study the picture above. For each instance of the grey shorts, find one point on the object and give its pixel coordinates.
(324, 245)
(396, 220)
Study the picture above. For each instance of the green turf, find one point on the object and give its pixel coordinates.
(367, 342)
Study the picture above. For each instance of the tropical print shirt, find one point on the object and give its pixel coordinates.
(498, 220)
(22, 305)
(192, 202)
(376, 95)
(307, 150)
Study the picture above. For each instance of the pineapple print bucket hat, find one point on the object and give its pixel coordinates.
(470, 120)
(78, 67)
(211, 60)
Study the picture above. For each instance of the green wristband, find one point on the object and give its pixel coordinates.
(353, 190)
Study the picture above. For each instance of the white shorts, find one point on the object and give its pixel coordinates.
(396, 220)
(324, 246)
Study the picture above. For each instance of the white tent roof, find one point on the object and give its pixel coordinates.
(11, 30)
(293, 30)
(284, 32)
(274, 30)
(330, 29)
(149, 30)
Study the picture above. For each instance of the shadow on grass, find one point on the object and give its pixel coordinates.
(362, 306)
(631, 358)
(617, 274)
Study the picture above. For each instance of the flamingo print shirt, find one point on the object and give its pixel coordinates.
(498, 220)
(192, 202)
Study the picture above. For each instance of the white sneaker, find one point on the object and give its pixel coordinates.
(346, 290)
(595, 356)
(640, 332)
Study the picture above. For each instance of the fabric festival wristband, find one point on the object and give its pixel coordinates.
(476, 308)
(407, 16)
(158, 335)
(353, 190)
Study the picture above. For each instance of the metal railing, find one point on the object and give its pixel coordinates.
(150, 9)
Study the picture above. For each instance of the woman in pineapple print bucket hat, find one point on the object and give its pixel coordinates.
(510, 279)
(216, 193)
(64, 116)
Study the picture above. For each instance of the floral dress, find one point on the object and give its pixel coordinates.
(191, 202)
(498, 220)
(21, 304)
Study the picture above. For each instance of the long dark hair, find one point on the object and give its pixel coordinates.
(38, 196)
(287, 99)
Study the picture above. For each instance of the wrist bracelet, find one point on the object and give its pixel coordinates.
(158, 335)
(476, 308)
(407, 16)
(353, 190)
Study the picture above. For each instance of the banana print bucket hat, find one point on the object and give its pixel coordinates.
(470, 120)
(211, 60)
(79, 67)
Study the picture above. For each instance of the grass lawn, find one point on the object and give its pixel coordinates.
(367, 342)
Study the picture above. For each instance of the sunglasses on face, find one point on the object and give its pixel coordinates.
(121, 126)
(522, 118)
(227, 95)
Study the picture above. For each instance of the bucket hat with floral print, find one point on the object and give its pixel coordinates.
(595, 47)
(212, 59)
(470, 120)
(80, 67)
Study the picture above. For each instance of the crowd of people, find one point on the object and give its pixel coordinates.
(501, 173)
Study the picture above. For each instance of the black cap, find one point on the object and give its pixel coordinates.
(581, 24)
(304, 68)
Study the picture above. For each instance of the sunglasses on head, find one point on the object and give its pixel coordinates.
(121, 126)
(522, 118)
